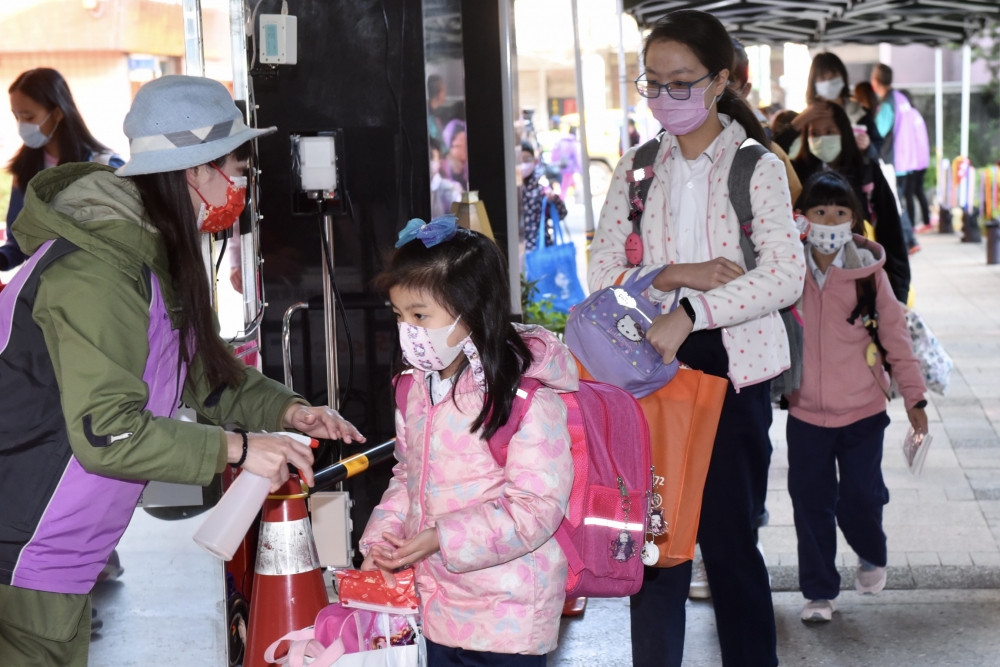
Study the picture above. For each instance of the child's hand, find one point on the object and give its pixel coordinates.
(369, 564)
(918, 419)
(407, 552)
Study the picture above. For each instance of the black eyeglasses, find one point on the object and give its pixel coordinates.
(678, 90)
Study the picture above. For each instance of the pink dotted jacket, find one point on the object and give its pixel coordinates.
(746, 308)
(498, 583)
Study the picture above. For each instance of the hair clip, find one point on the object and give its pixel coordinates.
(440, 229)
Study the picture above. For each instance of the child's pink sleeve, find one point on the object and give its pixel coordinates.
(390, 514)
(539, 476)
(895, 338)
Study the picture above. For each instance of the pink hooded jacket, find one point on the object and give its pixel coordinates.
(837, 386)
(498, 583)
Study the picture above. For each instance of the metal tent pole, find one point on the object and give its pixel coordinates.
(584, 154)
(508, 66)
(622, 82)
(966, 86)
(939, 104)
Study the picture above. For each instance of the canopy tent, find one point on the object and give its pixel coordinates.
(931, 22)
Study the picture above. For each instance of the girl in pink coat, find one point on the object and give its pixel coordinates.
(837, 417)
(490, 576)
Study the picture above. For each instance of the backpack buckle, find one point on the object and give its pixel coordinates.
(637, 175)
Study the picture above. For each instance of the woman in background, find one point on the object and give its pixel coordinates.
(53, 133)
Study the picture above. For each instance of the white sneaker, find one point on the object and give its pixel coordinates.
(699, 581)
(818, 611)
(869, 579)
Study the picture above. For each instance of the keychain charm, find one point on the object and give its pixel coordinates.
(657, 526)
(623, 548)
(650, 554)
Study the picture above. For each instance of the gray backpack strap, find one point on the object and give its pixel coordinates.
(747, 157)
(639, 182)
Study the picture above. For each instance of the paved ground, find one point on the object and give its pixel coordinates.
(893, 629)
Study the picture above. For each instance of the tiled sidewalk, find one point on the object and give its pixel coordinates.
(943, 526)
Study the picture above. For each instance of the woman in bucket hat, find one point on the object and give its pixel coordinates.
(93, 368)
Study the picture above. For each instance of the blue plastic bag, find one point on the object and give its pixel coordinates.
(553, 268)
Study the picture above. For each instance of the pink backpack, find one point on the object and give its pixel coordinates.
(605, 524)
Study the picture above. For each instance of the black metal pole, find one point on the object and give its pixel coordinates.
(352, 465)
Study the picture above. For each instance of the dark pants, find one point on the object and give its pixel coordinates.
(915, 189)
(734, 495)
(445, 656)
(821, 502)
(905, 220)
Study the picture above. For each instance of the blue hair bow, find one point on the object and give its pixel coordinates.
(440, 229)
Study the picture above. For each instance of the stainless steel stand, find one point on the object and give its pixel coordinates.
(330, 319)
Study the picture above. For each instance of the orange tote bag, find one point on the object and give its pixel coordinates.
(683, 419)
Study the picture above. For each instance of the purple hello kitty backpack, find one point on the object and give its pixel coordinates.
(607, 333)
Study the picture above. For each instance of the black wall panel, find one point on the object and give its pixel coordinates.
(352, 74)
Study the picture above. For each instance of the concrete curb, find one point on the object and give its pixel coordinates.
(909, 577)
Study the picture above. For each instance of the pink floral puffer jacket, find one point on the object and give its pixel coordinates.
(498, 583)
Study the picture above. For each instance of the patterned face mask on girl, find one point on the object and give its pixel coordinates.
(828, 239)
(214, 219)
(428, 349)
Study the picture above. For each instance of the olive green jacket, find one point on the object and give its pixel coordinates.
(92, 306)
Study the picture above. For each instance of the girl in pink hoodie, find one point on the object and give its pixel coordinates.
(837, 418)
(490, 576)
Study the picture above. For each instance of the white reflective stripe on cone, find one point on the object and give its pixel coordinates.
(286, 548)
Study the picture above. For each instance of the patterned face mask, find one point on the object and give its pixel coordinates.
(214, 219)
(428, 349)
(828, 239)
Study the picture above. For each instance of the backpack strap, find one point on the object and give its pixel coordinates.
(639, 178)
(867, 291)
(749, 154)
(501, 439)
(522, 401)
(402, 385)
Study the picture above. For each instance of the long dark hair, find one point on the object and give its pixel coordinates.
(711, 44)
(849, 163)
(468, 275)
(167, 201)
(865, 95)
(823, 63)
(828, 188)
(47, 87)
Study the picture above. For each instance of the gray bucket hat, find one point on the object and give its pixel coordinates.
(177, 122)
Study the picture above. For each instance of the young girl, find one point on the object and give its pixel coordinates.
(53, 132)
(490, 576)
(725, 323)
(837, 419)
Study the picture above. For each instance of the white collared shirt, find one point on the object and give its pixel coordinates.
(689, 189)
(817, 274)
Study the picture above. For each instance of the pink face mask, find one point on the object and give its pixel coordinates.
(428, 349)
(680, 117)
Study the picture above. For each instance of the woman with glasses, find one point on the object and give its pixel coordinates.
(719, 316)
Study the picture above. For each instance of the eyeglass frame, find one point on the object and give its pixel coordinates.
(666, 86)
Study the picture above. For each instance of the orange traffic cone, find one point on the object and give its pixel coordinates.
(288, 589)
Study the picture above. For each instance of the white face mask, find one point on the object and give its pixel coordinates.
(527, 168)
(428, 349)
(830, 90)
(825, 148)
(828, 239)
(32, 135)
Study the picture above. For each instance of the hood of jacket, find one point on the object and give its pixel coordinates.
(862, 258)
(86, 204)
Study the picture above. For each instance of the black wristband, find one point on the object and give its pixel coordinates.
(246, 445)
(920, 405)
(689, 309)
